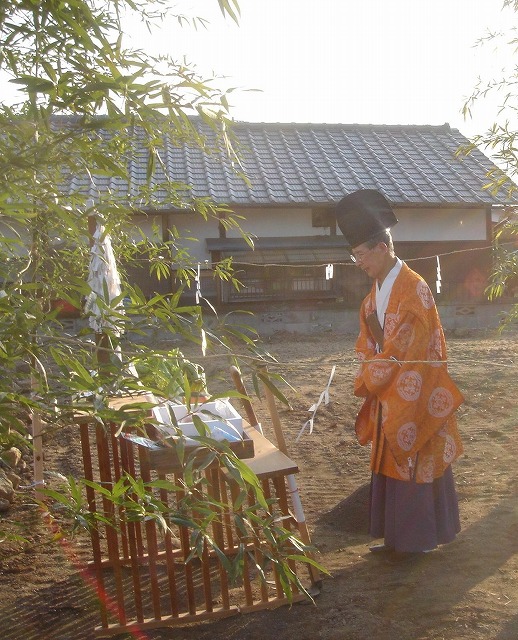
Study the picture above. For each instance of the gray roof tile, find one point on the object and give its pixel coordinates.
(297, 164)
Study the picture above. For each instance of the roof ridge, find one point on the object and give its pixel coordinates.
(445, 127)
(435, 128)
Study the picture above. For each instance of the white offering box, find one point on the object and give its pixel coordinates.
(220, 417)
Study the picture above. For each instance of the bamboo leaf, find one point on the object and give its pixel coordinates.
(265, 379)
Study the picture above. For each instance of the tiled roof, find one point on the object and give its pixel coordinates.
(299, 164)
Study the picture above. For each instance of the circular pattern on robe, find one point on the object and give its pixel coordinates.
(379, 371)
(404, 337)
(409, 385)
(391, 320)
(425, 295)
(360, 357)
(450, 450)
(425, 468)
(440, 403)
(406, 435)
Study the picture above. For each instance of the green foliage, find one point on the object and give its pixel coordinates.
(69, 60)
(500, 141)
(505, 274)
(83, 97)
(134, 500)
(12, 537)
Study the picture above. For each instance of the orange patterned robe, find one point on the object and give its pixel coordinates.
(409, 381)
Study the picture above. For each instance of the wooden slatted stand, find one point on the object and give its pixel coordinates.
(144, 575)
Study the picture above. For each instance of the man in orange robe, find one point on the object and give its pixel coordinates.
(410, 398)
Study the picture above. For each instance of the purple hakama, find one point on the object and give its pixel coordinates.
(414, 516)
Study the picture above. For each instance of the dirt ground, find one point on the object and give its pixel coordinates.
(466, 590)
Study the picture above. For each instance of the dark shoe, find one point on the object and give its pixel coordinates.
(381, 548)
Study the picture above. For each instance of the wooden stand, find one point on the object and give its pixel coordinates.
(150, 579)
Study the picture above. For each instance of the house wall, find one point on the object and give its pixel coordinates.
(194, 230)
(277, 222)
(420, 235)
(422, 224)
(440, 224)
(150, 225)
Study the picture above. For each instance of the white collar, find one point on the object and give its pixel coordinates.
(383, 292)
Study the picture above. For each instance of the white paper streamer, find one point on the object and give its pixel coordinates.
(203, 342)
(329, 272)
(198, 285)
(324, 397)
(104, 282)
(438, 281)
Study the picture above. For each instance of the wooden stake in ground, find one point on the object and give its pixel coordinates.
(37, 451)
(245, 401)
(281, 445)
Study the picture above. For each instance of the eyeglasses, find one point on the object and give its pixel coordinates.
(360, 257)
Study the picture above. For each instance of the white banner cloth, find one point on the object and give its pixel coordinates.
(104, 282)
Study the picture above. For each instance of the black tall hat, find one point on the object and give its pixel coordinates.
(363, 214)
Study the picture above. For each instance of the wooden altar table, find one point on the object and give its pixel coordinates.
(150, 579)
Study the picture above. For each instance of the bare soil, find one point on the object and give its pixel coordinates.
(467, 590)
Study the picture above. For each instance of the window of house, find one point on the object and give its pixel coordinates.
(323, 218)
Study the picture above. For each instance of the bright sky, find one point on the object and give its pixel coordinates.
(346, 61)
